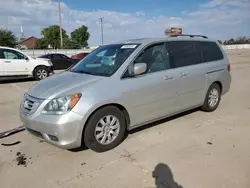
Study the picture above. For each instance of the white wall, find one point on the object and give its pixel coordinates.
(68, 52)
(236, 46)
(35, 53)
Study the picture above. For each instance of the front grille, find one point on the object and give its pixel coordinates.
(30, 104)
(35, 133)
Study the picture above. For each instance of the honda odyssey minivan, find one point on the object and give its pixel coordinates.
(150, 79)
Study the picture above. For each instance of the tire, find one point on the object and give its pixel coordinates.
(95, 128)
(208, 105)
(41, 73)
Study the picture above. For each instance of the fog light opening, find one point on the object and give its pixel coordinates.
(53, 138)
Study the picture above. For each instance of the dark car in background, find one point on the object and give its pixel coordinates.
(60, 61)
(80, 56)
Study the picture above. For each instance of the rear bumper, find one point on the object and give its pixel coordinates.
(226, 83)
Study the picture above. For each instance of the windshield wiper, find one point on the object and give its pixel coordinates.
(84, 72)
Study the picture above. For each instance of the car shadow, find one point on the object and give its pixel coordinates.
(171, 118)
(147, 126)
(164, 177)
(15, 80)
(82, 148)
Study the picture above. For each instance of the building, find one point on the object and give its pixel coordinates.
(28, 43)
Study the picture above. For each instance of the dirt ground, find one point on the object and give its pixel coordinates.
(193, 150)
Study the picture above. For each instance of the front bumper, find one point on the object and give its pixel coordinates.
(63, 131)
(51, 70)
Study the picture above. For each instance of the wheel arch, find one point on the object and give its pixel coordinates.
(36, 67)
(119, 106)
(219, 84)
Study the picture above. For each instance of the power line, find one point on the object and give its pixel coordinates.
(60, 22)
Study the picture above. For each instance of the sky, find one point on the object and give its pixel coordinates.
(127, 19)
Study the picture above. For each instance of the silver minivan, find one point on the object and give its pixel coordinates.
(96, 102)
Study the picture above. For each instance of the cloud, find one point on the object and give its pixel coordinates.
(217, 18)
(223, 19)
(215, 3)
(139, 13)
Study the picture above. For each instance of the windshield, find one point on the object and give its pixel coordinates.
(43, 56)
(105, 60)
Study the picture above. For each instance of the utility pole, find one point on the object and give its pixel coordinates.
(102, 29)
(60, 22)
(7, 26)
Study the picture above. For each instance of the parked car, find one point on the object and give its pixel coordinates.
(14, 63)
(151, 79)
(80, 56)
(60, 61)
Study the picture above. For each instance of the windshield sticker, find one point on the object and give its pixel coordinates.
(128, 46)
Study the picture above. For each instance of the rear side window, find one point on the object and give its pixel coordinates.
(183, 53)
(56, 56)
(210, 51)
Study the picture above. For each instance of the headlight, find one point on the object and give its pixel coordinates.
(61, 105)
(50, 63)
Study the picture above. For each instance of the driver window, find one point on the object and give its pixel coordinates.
(156, 57)
(11, 54)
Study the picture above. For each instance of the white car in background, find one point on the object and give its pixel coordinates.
(14, 63)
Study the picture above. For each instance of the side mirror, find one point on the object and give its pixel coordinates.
(140, 68)
(26, 58)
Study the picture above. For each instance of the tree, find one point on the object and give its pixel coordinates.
(41, 44)
(7, 38)
(220, 41)
(231, 41)
(242, 40)
(51, 35)
(239, 40)
(69, 44)
(81, 36)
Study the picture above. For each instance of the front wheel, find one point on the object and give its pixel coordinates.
(105, 129)
(212, 98)
(41, 73)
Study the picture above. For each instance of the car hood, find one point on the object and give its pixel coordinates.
(59, 84)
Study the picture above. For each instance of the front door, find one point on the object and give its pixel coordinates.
(67, 62)
(60, 61)
(15, 63)
(152, 95)
(190, 73)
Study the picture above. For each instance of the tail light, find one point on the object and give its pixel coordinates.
(113, 59)
(229, 68)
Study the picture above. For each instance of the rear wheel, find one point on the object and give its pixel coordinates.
(41, 72)
(212, 98)
(105, 129)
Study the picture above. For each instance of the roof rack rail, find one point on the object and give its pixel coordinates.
(191, 36)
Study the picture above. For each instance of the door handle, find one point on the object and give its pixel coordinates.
(168, 77)
(183, 74)
(7, 61)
